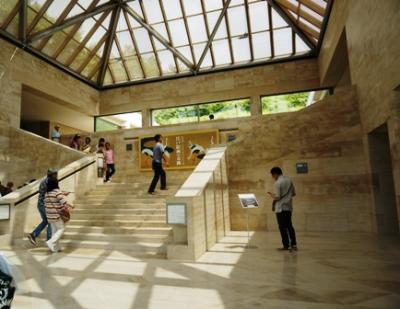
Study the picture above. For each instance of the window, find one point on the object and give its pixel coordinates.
(201, 112)
(291, 102)
(118, 121)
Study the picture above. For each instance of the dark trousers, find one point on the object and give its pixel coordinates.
(110, 171)
(286, 228)
(158, 172)
(36, 232)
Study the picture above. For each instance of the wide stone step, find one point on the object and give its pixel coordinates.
(153, 249)
(113, 211)
(116, 223)
(121, 199)
(165, 231)
(99, 205)
(136, 194)
(122, 238)
(113, 217)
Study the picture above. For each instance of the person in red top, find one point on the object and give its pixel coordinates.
(109, 158)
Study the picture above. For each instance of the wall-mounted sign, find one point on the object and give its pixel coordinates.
(4, 212)
(129, 147)
(184, 150)
(176, 213)
(302, 168)
(248, 200)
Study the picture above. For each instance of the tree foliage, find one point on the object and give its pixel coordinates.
(284, 103)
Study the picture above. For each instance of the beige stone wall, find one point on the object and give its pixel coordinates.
(373, 44)
(251, 82)
(29, 156)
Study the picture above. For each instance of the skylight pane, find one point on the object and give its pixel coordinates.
(259, 20)
(241, 49)
(197, 28)
(283, 41)
(277, 20)
(134, 5)
(114, 51)
(237, 21)
(133, 65)
(76, 10)
(121, 25)
(85, 28)
(172, 9)
(198, 51)
(178, 32)
(13, 27)
(161, 29)
(56, 8)
(221, 52)
(107, 78)
(93, 63)
(67, 51)
(212, 20)
(96, 37)
(54, 42)
(192, 7)
(150, 65)
(85, 3)
(213, 5)
(143, 40)
(167, 62)
(80, 58)
(125, 41)
(153, 11)
(118, 71)
(261, 45)
(6, 8)
(300, 45)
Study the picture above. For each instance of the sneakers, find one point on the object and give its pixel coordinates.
(293, 248)
(51, 246)
(32, 239)
(151, 193)
(283, 249)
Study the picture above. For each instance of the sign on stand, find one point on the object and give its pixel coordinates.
(248, 201)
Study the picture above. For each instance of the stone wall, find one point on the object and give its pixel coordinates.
(373, 45)
(250, 82)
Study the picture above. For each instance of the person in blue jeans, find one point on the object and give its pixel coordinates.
(51, 173)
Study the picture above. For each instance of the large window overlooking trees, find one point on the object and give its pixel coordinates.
(201, 112)
(291, 102)
(119, 121)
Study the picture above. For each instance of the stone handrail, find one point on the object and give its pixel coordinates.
(206, 196)
(77, 177)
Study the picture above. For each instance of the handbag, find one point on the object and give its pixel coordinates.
(65, 214)
(7, 291)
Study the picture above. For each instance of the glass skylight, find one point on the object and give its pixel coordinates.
(108, 42)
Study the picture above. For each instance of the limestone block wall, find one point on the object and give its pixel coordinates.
(29, 156)
(334, 195)
(250, 82)
(373, 45)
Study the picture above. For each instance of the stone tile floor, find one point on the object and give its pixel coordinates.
(329, 271)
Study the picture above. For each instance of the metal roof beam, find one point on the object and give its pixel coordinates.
(213, 33)
(71, 21)
(292, 24)
(158, 36)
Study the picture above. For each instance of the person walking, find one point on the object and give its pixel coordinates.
(51, 174)
(87, 145)
(56, 134)
(158, 158)
(56, 203)
(76, 142)
(282, 197)
(110, 164)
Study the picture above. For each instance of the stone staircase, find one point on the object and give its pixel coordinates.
(122, 216)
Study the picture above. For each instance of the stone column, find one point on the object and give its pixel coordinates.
(255, 105)
(146, 118)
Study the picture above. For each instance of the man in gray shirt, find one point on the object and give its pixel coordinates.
(282, 196)
(157, 164)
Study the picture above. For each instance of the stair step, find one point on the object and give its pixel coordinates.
(165, 231)
(122, 238)
(137, 248)
(122, 223)
(118, 206)
(113, 211)
(117, 216)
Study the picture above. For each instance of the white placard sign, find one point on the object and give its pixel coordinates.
(4, 212)
(176, 213)
(248, 200)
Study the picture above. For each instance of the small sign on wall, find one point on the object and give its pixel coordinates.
(176, 213)
(302, 168)
(4, 212)
(129, 147)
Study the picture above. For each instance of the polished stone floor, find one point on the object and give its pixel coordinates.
(329, 271)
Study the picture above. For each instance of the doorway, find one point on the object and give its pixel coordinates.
(382, 181)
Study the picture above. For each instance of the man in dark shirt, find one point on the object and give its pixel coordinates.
(157, 164)
(51, 173)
